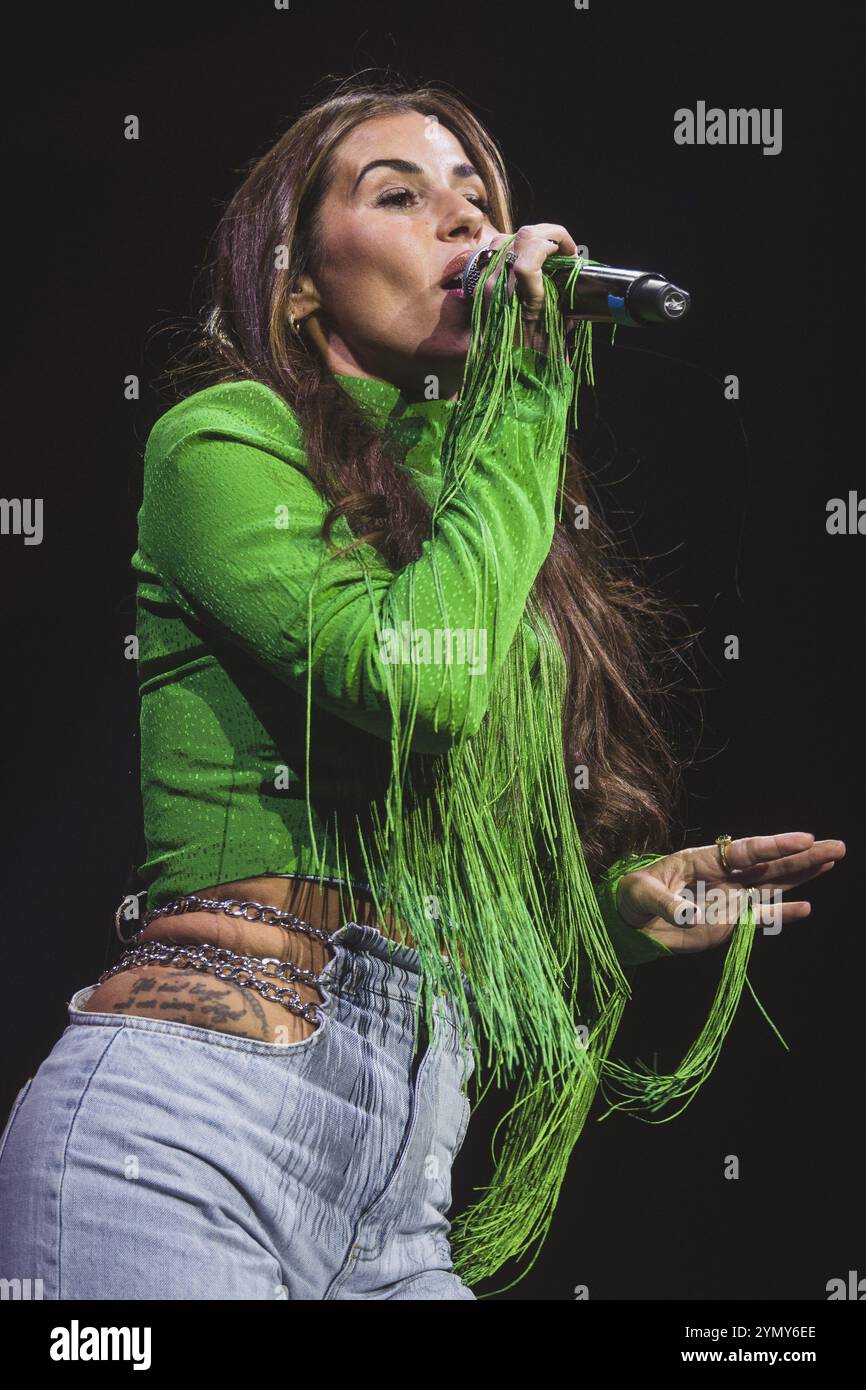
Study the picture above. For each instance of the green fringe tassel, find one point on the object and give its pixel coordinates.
(488, 861)
(651, 1090)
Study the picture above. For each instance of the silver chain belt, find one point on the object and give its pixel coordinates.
(225, 964)
(233, 907)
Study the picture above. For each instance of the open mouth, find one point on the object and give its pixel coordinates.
(454, 287)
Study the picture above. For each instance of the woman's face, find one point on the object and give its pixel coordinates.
(403, 203)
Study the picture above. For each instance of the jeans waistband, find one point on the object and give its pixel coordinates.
(358, 937)
(364, 938)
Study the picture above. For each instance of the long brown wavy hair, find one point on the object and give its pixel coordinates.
(616, 633)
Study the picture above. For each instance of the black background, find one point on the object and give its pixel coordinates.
(729, 498)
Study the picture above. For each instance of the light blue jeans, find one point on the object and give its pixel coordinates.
(149, 1159)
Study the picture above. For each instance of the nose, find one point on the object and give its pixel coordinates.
(460, 218)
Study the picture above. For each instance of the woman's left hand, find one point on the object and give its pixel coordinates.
(650, 899)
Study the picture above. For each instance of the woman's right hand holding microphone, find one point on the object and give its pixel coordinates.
(531, 246)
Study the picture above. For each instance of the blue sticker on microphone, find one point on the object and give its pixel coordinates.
(617, 310)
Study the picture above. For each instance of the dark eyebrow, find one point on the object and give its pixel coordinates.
(405, 166)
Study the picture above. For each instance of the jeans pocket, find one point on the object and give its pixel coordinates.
(209, 1037)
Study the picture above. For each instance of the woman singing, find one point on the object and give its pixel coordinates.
(403, 773)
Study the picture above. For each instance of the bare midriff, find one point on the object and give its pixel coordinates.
(162, 990)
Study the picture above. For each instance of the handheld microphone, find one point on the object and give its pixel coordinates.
(602, 293)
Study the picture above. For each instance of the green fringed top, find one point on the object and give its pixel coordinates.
(327, 716)
(228, 549)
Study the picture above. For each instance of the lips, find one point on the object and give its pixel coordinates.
(453, 274)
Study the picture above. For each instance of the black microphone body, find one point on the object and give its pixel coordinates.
(601, 293)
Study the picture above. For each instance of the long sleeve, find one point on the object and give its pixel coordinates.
(632, 946)
(231, 522)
